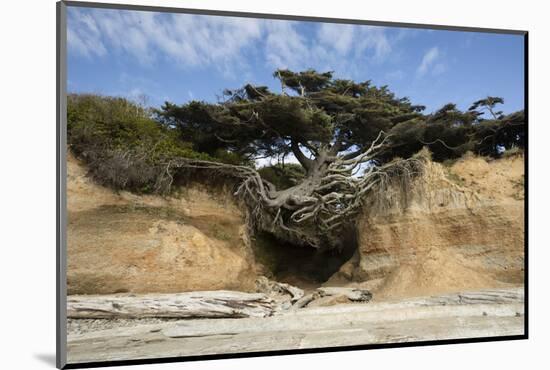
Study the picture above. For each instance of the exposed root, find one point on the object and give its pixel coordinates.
(314, 212)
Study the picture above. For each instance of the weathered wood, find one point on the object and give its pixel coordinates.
(346, 294)
(274, 288)
(214, 304)
(154, 344)
(228, 304)
(482, 296)
(304, 301)
(353, 294)
(307, 322)
(497, 313)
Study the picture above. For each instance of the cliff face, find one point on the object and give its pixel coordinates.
(122, 242)
(462, 227)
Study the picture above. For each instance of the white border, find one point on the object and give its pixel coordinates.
(28, 182)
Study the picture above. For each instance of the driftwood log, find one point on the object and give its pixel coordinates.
(277, 299)
(452, 316)
(351, 295)
(284, 294)
(208, 304)
(274, 288)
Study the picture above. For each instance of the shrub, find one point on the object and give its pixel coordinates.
(123, 147)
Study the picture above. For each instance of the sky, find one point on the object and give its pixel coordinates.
(183, 57)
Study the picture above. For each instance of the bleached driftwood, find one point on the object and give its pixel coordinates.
(351, 294)
(285, 295)
(303, 321)
(482, 296)
(476, 314)
(212, 304)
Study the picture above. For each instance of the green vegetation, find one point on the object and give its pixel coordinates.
(127, 145)
(334, 128)
(124, 146)
(283, 176)
(512, 152)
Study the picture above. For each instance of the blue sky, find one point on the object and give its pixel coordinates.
(181, 57)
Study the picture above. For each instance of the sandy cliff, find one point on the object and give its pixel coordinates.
(122, 242)
(462, 228)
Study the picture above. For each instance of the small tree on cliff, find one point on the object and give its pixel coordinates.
(334, 128)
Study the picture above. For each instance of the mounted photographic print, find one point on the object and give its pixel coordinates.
(234, 184)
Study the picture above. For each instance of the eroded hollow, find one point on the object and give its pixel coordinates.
(301, 266)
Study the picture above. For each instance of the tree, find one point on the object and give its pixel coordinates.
(450, 132)
(350, 139)
(334, 128)
(488, 104)
(500, 131)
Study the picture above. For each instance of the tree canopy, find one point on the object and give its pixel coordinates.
(315, 112)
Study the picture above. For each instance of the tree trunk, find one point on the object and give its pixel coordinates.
(316, 212)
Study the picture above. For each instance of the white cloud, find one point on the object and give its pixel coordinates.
(225, 43)
(83, 36)
(374, 38)
(337, 36)
(431, 62)
(345, 39)
(429, 57)
(285, 47)
(189, 40)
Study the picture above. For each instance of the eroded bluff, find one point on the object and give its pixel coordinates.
(461, 227)
(123, 242)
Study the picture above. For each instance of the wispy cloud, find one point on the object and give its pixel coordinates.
(83, 36)
(346, 40)
(374, 38)
(337, 36)
(395, 75)
(431, 62)
(284, 46)
(189, 40)
(225, 43)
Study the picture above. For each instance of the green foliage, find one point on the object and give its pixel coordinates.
(283, 177)
(488, 104)
(512, 152)
(450, 133)
(317, 111)
(126, 144)
(116, 123)
(123, 146)
(304, 82)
